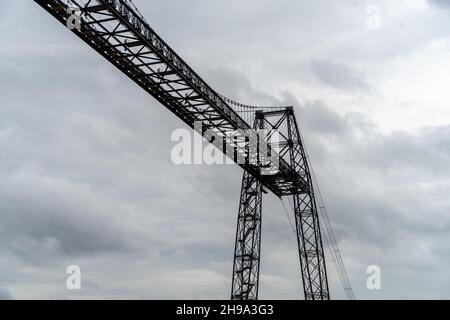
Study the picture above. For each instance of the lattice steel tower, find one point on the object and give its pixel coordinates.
(248, 238)
(118, 32)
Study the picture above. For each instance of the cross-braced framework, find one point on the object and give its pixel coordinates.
(248, 241)
(247, 251)
(120, 35)
(312, 258)
(289, 146)
(116, 30)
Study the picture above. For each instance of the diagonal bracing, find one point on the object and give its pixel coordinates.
(118, 32)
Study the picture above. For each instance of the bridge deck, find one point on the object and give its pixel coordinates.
(117, 32)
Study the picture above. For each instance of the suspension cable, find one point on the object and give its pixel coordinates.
(288, 216)
(329, 233)
(327, 228)
(241, 105)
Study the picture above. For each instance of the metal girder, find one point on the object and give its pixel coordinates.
(248, 241)
(120, 35)
(247, 250)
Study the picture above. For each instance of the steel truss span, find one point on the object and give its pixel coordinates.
(118, 32)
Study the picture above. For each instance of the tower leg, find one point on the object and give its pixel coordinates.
(248, 241)
(312, 258)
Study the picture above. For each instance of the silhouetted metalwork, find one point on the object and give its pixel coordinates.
(289, 147)
(116, 30)
(248, 241)
(315, 282)
(248, 237)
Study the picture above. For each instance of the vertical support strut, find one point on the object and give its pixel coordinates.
(312, 259)
(248, 236)
(248, 241)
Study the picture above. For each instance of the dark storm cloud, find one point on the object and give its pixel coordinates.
(440, 3)
(427, 150)
(5, 294)
(59, 221)
(318, 118)
(338, 75)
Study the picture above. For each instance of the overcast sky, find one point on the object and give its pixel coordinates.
(86, 176)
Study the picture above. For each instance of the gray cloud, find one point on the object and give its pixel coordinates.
(440, 3)
(86, 177)
(5, 294)
(338, 75)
